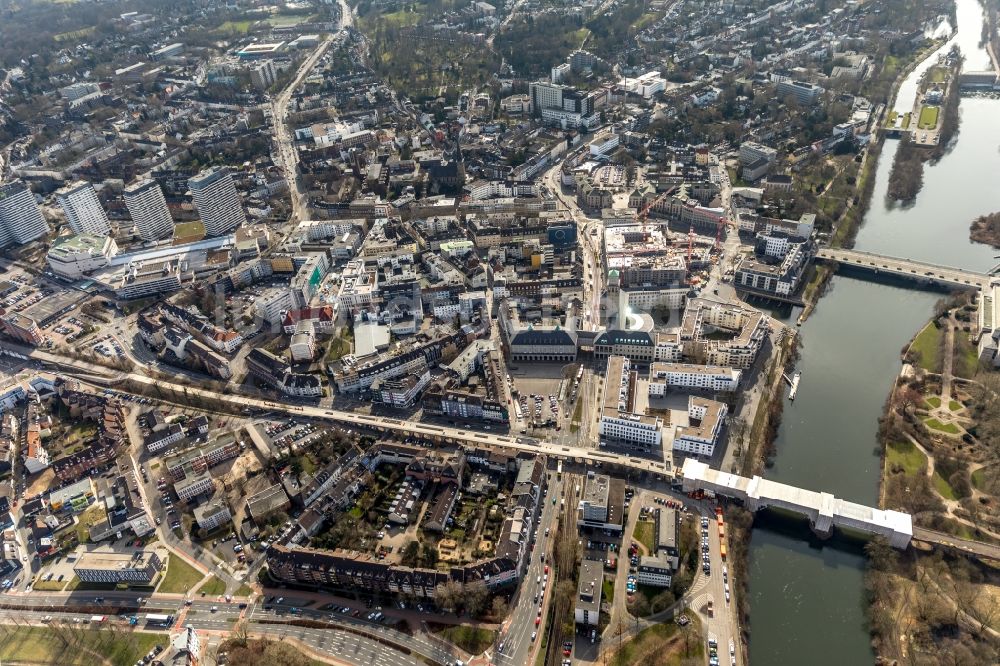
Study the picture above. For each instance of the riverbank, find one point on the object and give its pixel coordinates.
(941, 605)
(760, 448)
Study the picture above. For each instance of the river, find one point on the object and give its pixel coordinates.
(807, 600)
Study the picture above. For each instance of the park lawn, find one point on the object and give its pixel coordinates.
(965, 357)
(339, 346)
(934, 401)
(473, 640)
(949, 428)
(927, 346)
(41, 645)
(954, 405)
(978, 479)
(213, 587)
(662, 644)
(937, 74)
(928, 117)
(286, 21)
(181, 577)
(401, 18)
(644, 534)
(907, 456)
(241, 27)
(943, 487)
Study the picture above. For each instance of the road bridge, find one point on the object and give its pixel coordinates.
(920, 271)
(823, 510)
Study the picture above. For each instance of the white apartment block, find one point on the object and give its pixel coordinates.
(149, 211)
(358, 286)
(21, 220)
(217, 201)
(303, 342)
(751, 151)
(699, 438)
(212, 514)
(83, 209)
(618, 418)
(191, 487)
(666, 376)
(272, 302)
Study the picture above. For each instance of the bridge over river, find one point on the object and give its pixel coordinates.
(919, 271)
(823, 510)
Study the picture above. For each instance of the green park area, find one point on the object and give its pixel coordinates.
(213, 587)
(181, 577)
(473, 640)
(907, 456)
(665, 644)
(949, 428)
(75, 647)
(927, 348)
(928, 117)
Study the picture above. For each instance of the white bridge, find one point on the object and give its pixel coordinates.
(823, 510)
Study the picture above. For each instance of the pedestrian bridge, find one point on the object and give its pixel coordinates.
(915, 270)
(823, 510)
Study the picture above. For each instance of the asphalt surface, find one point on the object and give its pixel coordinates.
(518, 647)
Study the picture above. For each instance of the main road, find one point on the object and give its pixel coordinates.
(287, 155)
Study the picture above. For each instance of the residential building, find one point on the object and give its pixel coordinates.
(199, 459)
(22, 328)
(665, 377)
(619, 419)
(191, 487)
(75, 497)
(263, 75)
(400, 392)
(277, 373)
(217, 201)
(213, 514)
(149, 210)
(303, 343)
(21, 219)
(100, 567)
(806, 93)
(83, 209)
(706, 419)
(157, 440)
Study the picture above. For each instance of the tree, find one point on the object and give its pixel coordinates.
(499, 608)
(448, 595)
(476, 596)
(409, 554)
